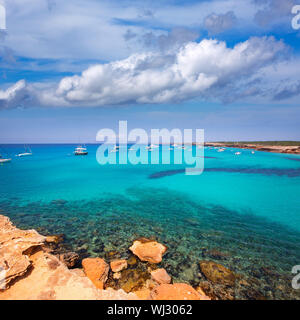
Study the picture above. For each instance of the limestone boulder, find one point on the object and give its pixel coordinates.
(118, 265)
(96, 269)
(148, 250)
(160, 276)
(176, 291)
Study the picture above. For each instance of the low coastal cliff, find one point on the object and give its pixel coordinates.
(29, 270)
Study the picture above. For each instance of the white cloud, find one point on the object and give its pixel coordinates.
(14, 96)
(196, 70)
(193, 71)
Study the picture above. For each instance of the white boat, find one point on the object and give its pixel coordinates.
(253, 152)
(221, 150)
(238, 153)
(80, 151)
(27, 152)
(24, 154)
(3, 160)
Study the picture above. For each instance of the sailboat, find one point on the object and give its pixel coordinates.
(2, 160)
(27, 152)
(80, 151)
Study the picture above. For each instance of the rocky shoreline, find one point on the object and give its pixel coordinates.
(31, 269)
(257, 147)
(107, 228)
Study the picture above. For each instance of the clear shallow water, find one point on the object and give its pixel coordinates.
(246, 207)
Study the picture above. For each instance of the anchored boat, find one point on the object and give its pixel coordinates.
(2, 160)
(80, 151)
(27, 152)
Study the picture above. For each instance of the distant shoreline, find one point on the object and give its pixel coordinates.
(265, 143)
(286, 147)
(275, 147)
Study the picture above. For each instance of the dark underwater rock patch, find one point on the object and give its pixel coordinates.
(293, 159)
(291, 173)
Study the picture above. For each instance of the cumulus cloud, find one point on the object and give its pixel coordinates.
(196, 70)
(15, 96)
(215, 23)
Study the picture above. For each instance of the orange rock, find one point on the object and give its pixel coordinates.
(161, 276)
(176, 291)
(148, 250)
(143, 294)
(16, 246)
(118, 265)
(96, 269)
(30, 273)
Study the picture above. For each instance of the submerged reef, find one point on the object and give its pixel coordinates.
(203, 242)
(290, 172)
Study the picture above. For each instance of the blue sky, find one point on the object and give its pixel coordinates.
(69, 68)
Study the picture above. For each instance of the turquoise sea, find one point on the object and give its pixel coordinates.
(242, 212)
